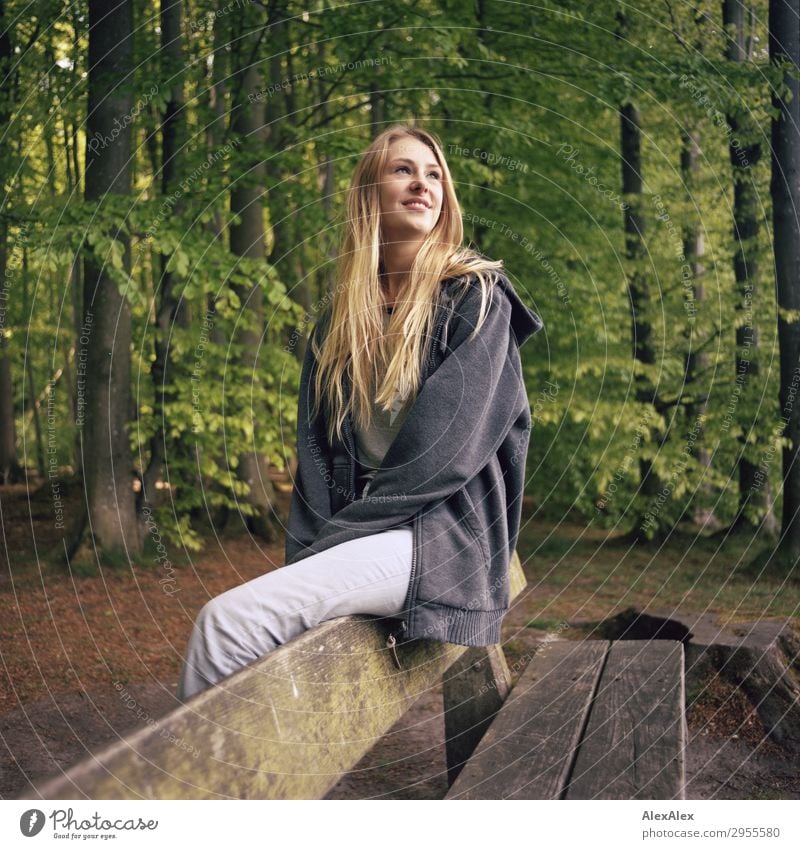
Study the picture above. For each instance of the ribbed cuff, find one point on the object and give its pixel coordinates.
(431, 621)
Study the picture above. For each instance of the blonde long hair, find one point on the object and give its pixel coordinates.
(356, 343)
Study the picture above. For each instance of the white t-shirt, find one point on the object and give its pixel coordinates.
(372, 444)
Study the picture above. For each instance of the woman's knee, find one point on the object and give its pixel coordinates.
(216, 614)
(233, 617)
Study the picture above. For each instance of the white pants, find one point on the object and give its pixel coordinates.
(368, 575)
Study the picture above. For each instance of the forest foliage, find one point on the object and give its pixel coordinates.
(526, 99)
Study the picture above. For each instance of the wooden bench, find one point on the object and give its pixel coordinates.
(584, 721)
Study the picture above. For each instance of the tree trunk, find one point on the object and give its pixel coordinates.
(73, 182)
(327, 284)
(635, 223)
(215, 514)
(784, 43)
(247, 240)
(10, 471)
(73, 188)
(753, 485)
(275, 118)
(283, 211)
(37, 425)
(649, 524)
(376, 111)
(696, 358)
(169, 307)
(106, 452)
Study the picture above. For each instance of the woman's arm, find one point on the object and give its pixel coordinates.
(310, 504)
(460, 417)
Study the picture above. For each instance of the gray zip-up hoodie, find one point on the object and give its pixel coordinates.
(456, 471)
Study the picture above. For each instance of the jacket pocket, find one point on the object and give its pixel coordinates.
(472, 522)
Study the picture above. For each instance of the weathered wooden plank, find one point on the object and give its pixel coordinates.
(474, 689)
(634, 743)
(285, 727)
(516, 577)
(529, 748)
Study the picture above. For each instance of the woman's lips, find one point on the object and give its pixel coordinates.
(416, 206)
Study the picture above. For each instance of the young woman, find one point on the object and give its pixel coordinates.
(413, 429)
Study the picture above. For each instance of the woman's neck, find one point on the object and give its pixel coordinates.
(396, 262)
(388, 298)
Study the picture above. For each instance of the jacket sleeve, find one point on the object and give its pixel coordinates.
(310, 505)
(461, 415)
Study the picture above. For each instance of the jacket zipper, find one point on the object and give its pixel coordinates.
(392, 639)
(351, 445)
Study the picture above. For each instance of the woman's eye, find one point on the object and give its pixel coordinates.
(406, 168)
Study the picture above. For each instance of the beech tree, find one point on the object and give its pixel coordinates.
(106, 459)
(784, 51)
(745, 154)
(247, 239)
(170, 307)
(10, 471)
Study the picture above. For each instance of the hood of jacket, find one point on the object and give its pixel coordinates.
(524, 321)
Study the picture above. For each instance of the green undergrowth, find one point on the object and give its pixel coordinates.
(578, 573)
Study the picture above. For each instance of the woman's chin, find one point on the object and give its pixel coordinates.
(408, 230)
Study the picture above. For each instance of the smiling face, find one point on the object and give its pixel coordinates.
(410, 191)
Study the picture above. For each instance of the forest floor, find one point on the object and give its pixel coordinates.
(87, 658)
